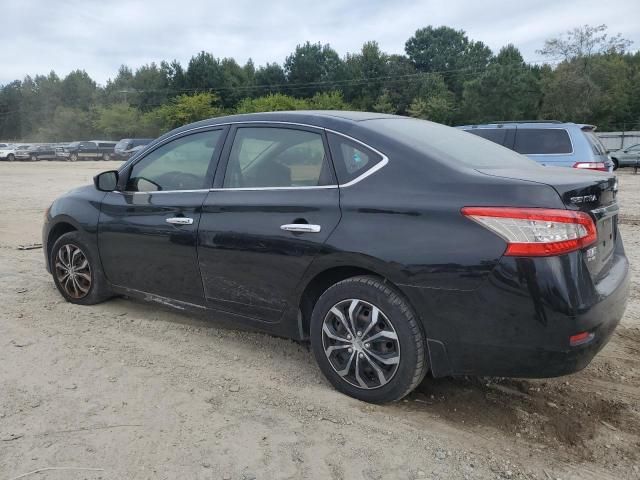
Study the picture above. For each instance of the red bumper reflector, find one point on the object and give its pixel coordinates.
(580, 338)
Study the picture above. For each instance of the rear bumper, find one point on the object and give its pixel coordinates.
(519, 322)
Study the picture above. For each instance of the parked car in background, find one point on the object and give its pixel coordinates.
(549, 142)
(38, 152)
(394, 245)
(8, 152)
(124, 148)
(91, 150)
(22, 152)
(628, 157)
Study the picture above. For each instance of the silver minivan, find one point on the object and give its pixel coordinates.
(549, 142)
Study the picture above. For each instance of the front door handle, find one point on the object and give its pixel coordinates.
(301, 227)
(180, 221)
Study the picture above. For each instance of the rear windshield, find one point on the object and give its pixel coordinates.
(596, 144)
(449, 144)
(542, 141)
(496, 135)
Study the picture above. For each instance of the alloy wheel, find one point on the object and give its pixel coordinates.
(361, 344)
(73, 271)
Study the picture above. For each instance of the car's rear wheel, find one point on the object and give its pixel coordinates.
(34, 158)
(76, 271)
(367, 340)
(106, 156)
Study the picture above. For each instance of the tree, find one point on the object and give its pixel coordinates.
(78, 90)
(434, 101)
(365, 74)
(67, 124)
(328, 101)
(204, 72)
(585, 42)
(448, 52)
(507, 90)
(185, 109)
(118, 121)
(271, 103)
(311, 67)
(270, 78)
(593, 82)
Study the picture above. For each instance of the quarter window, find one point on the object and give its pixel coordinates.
(496, 135)
(182, 164)
(277, 157)
(350, 158)
(543, 141)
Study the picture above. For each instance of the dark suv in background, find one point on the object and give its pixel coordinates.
(549, 142)
(127, 147)
(92, 150)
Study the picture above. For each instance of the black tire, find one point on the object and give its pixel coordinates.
(73, 157)
(34, 158)
(615, 163)
(413, 359)
(11, 157)
(98, 290)
(106, 157)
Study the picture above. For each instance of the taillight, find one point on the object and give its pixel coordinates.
(601, 166)
(536, 232)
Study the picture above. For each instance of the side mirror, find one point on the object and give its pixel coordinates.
(106, 181)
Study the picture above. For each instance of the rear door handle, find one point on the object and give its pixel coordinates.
(301, 227)
(180, 221)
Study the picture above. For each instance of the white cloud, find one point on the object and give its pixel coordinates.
(98, 36)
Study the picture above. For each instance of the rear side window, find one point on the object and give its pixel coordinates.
(351, 159)
(542, 141)
(496, 135)
(595, 143)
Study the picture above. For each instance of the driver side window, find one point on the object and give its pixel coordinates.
(182, 164)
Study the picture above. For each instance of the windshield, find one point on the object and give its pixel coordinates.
(449, 144)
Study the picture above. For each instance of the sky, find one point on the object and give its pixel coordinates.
(100, 35)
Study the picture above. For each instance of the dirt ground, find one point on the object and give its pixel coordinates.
(126, 390)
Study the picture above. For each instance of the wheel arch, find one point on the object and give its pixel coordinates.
(323, 277)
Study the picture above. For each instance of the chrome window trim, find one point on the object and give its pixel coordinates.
(382, 163)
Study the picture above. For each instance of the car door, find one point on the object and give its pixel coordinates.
(87, 150)
(148, 229)
(275, 204)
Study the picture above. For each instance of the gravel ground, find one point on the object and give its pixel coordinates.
(126, 390)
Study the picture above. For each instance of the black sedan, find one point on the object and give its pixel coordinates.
(395, 246)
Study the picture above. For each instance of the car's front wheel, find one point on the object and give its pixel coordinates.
(11, 157)
(34, 158)
(367, 340)
(77, 272)
(615, 163)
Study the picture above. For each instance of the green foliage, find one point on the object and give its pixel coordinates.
(68, 124)
(116, 121)
(185, 109)
(328, 101)
(311, 65)
(507, 90)
(270, 103)
(434, 101)
(448, 52)
(445, 76)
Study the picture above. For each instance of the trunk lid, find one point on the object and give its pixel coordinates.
(588, 191)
